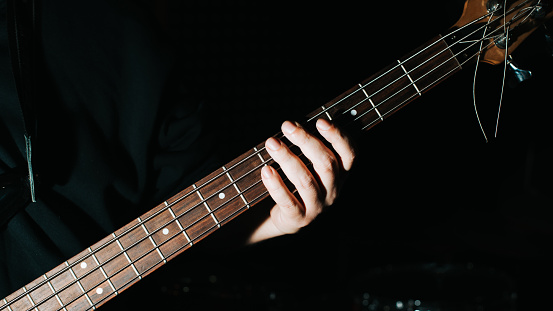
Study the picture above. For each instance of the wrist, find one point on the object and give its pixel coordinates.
(266, 230)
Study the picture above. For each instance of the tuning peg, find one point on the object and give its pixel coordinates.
(517, 75)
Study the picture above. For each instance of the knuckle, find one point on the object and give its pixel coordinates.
(301, 138)
(281, 156)
(307, 182)
(288, 204)
(328, 163)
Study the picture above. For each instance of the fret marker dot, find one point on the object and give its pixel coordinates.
(221, 195)
(99, 290)
(165, 231)
(353, 112)
(83, 265)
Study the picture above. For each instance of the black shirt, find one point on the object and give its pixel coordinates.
(118, 131)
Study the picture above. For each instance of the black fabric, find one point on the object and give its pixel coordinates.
(22, 19)
(118, 131)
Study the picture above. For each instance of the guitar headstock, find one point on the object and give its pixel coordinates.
(501, 25)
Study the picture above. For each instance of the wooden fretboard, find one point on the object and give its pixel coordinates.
(108, 267)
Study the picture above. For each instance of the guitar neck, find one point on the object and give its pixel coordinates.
(113, 264)
(376, 98)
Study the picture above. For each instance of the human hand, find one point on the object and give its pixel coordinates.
(317, 188)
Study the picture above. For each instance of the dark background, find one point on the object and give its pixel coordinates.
(431, 212)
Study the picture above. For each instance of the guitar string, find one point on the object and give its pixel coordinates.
(474, 84)
(170, 239)
(88, 255)
(475, 42)
(401, 63)
(397, 66)
(110, 295)
(370, 110)
(200, 236)
(157, 246)
(392, 95)
(424, 89)
(413, 83)
(225, 171)
(506, 32)
(260, 150)
(533, 9)
(107, 243)
(104, 263)
(174, 253)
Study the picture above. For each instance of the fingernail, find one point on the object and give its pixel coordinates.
(289, 127)
(323, 124)
(272, 143)
(267, 172)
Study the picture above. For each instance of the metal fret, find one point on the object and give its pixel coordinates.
(408, 76)
(107, 278)
(80, 285)
(6, 303)
(180, 226)
(259, 154)
(152, 240)
(128, 259)
(94, 256)
(236, 187)
(207, 207)
(102, 269)
(326, 112)
(54, 292)
(29, 297)
(371, 101)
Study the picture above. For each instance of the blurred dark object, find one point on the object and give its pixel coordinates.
(431, 287)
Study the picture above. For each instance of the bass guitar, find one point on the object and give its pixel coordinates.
(488, 31)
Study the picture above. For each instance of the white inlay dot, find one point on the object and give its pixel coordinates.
(353, 112)
(165, 231)
(221, 195)
(83, 265)
(99, 290)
